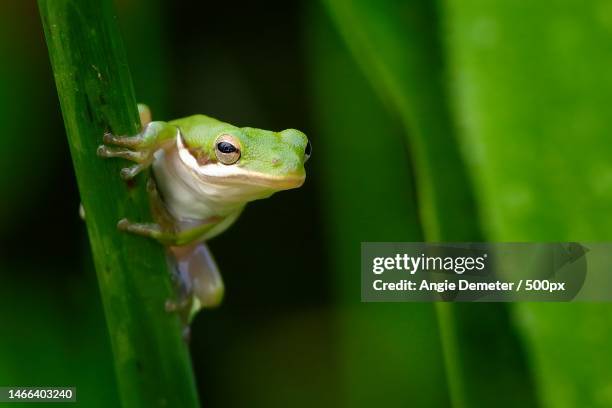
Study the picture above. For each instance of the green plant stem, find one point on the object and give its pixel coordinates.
(96, 95)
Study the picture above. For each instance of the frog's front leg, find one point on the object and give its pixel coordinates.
(141, 147)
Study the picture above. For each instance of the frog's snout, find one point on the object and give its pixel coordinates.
(299, 142)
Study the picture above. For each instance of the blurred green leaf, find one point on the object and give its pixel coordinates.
(389, 353)
(532, 91)
(397, 43)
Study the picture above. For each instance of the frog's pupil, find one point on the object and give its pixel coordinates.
(225, 147)
(308, 149)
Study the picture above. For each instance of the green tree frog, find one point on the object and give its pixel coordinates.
(204, 172)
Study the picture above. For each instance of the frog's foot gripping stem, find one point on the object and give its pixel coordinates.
(182, 306)
(149, 230)
(127, 173)
(141, 147)
(183, 303)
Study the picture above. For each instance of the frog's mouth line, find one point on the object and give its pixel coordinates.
(223, 174)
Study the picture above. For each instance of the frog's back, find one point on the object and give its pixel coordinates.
(199, 127)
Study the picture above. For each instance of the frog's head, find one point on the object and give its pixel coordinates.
(248, 162)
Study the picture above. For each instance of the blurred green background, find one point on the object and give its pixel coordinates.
(448, 120)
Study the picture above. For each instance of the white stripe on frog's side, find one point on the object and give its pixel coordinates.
(216, 172)
(188, 198)
(189, 195)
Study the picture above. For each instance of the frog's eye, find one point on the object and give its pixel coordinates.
(307, 151)
(227, 149)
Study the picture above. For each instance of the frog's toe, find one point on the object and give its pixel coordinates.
(103, 151)
(133, 142)
(123, 153)
(123, 224)
(108, 138)
(128, 173)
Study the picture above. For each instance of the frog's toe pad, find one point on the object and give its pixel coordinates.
(128, 173)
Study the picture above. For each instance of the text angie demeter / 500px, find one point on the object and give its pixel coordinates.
(441, 287)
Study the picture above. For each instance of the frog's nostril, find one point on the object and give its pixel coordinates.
(307, 151)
